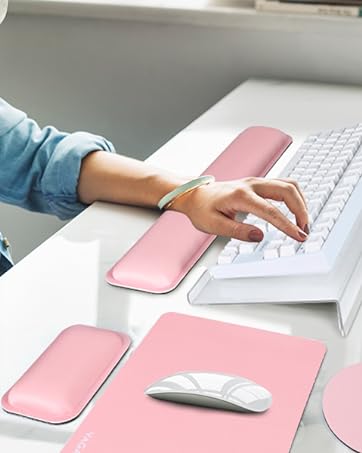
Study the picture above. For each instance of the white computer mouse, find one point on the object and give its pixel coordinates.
(212, 389)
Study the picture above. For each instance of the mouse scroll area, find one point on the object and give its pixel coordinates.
(210, 389)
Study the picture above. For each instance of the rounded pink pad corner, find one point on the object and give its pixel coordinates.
(342, 406)
(64, 378)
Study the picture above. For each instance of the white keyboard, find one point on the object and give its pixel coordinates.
(328, 167)
(327, 267)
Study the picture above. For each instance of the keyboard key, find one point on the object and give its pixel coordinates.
(332, 177)
(336, 171)
(315, 204)
(319, 232)
(234, 242)
(313, 187)
(350, 179)
(355, 167)
(279, 236)
(321, 195)
(246, 248)
(346, 188)
(319, 158)
(336, 204)
(327, 224)
(226, 257)
(231, 249)
(343, 196)
(288, 248)
(312, 246)
(331, 213)
(313, 214)
(271, 250)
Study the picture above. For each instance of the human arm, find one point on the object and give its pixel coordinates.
(59, 173)
(211, 208)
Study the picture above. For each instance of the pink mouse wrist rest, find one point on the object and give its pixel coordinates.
(166, 252)
(60, 383)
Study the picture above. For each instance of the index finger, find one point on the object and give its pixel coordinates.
(267, 211)
(287, 192)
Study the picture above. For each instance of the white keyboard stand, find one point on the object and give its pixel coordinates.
(209, 290)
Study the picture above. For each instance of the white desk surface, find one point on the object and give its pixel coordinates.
(62, 282)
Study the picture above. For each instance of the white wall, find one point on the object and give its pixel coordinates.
(140, 83)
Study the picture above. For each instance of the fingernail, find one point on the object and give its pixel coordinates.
(306, 229)
(302, 235)
(255, 235)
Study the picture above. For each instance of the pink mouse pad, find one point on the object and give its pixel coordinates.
(124, 419)
(342, 406)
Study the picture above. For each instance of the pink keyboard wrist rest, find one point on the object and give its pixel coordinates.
(166, 252)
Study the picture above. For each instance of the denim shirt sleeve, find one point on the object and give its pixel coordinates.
(39, 168)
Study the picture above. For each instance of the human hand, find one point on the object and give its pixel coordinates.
(212, 208)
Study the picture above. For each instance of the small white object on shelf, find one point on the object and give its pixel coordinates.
(274, 6)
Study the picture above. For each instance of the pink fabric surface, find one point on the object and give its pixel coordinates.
(342, 406)
(126, 420)
(167, 251)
